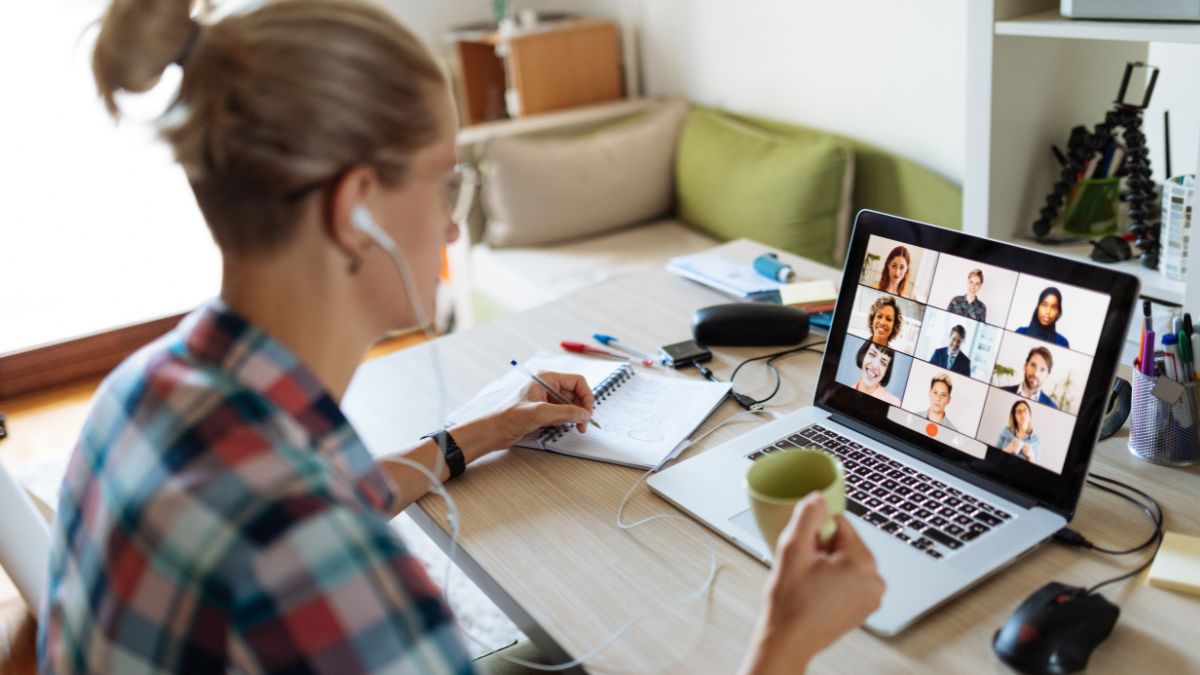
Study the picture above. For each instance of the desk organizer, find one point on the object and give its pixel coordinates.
(1165, 432)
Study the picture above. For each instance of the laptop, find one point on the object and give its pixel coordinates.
(962, 387)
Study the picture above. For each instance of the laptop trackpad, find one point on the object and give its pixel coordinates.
(745, 522)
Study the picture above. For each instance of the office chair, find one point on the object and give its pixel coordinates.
(24, 542)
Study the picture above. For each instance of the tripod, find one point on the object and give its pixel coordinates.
(1085, 146)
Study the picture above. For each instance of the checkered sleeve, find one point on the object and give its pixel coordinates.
(327, 589)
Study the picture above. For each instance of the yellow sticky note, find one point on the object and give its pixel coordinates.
(1177, 565)
(808, 292)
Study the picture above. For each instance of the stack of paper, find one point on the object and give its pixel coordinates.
(717, 271)
(1177, 565)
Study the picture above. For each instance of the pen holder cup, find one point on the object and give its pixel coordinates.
(1092, 207)
(1165, 431)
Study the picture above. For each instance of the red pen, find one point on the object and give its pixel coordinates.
(581, 348)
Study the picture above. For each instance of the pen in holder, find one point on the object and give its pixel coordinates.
(1165, 420)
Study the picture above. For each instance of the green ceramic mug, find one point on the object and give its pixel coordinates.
(777, 481)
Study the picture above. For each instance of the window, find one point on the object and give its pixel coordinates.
(98, 228)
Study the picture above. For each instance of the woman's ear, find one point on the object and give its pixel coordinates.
(353, 188)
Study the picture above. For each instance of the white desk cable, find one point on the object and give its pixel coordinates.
(452, 513)
(669, 605)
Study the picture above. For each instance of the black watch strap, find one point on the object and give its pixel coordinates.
(455, 459)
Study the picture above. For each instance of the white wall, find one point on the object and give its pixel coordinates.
(890, 72)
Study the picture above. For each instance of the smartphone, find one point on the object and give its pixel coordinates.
(683, 354)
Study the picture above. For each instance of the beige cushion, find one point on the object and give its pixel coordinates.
(540, 190)
(520, 278)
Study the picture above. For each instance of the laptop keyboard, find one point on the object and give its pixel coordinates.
(912, 506)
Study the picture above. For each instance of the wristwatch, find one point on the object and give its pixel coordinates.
(454, 454)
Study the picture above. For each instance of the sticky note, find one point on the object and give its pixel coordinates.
(808, 292)
(1177, 566)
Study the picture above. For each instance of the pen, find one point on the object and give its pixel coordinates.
(1058, 154)
(1146, 348)
(1170, 352)
(1184, 346)
(613, 342)
(551, 390)
(580, 348)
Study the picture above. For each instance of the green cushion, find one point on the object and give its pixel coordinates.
(786, 191)
(884, 181)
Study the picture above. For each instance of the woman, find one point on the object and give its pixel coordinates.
(1043, 324)
(1018, 438)
(895, 271)
(220, 513)
(884, 320)
(875, 371)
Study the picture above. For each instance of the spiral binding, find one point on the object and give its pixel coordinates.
(602, 391)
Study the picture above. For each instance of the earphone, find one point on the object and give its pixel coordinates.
(361, 220)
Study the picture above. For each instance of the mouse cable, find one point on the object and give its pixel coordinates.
(749, 403)
(1072, 538)
(669, 605)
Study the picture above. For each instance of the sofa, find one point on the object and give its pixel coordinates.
(573, 199)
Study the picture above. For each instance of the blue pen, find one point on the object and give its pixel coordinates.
(550, 390)
(615, 344)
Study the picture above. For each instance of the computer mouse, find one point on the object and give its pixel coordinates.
(1111, 249)
(749, 324)
(1055, 630)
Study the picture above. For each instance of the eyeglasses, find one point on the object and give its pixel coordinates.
(461, 186)
(460, 192)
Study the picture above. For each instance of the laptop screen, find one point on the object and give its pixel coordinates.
(995, 358)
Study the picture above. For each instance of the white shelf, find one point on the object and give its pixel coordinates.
(1053, 25)
(1154, 285)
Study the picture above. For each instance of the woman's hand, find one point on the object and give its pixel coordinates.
(1027, 452)
(527, 410)
(813, 595)
(1013, 447)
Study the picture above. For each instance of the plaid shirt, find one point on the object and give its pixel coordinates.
(220, 514)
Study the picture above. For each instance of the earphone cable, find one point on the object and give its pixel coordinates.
(452, 513)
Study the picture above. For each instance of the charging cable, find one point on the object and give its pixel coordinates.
(1150, 506)
(452, 513)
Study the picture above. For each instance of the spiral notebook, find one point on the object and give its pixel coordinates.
(644, 415)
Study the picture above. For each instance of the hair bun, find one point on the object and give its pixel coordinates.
(138, 40)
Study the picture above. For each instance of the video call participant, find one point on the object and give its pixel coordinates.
(950, 357)
(1018, 438)
(968, 304)
(884, 320)
(895, 271)
(220, 513)
(939, 397)
(1038, 365)
(1043, 323)
(875, 371)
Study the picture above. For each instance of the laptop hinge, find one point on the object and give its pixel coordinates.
(950, 468)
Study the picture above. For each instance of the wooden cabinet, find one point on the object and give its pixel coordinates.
(560, 65)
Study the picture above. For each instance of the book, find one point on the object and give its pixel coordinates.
(811, 296)
(1177, 565)
(645, 416)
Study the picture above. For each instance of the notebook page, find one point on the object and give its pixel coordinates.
(644, 419)
(499, 390)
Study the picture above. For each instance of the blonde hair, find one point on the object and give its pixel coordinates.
(274, 101)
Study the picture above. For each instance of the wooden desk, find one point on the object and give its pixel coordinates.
(538, 530)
